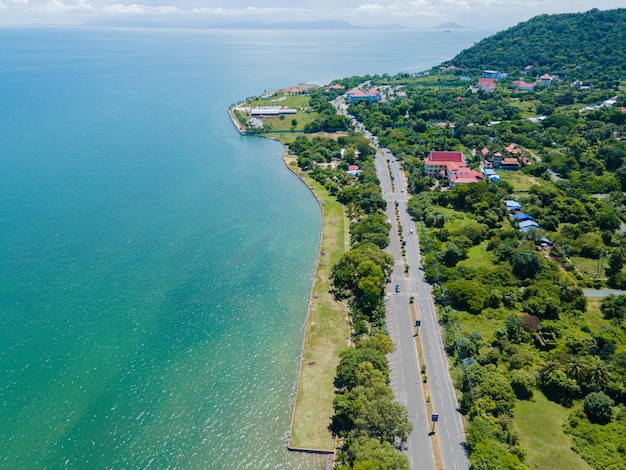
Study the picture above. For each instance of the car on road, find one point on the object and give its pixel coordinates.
(411, 231)
(397, 287)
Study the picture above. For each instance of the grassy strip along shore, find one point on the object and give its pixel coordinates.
(325, 334)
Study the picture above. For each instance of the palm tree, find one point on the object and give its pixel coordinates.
(577, 370)
(548, 369)
(598, 376)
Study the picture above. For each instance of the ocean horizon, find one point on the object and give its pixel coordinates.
(156, 265)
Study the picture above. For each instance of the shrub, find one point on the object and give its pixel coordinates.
(598, 407)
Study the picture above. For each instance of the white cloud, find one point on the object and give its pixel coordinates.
(118, 8)
(57, 6)
(480, 13)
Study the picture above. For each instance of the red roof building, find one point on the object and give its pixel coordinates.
(356, 94)
(487, 84)
(545, 80)
(452, 166)
(466, 177)
(511, 163)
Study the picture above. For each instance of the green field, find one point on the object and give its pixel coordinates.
(289, 101)
(540, 426)
(520, 181)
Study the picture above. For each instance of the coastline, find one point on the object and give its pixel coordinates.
(326, 329)
(326, 332)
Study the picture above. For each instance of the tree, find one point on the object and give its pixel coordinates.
(491, 454)
(558, 387)
(387, 420)
(577, 370)
(467, 295)
(351, 358)
(365, 453)
(598, 375)
(526, 264)
(523, 383)
(515, 329)
(598, 407)
(452, 255)
(613, 307)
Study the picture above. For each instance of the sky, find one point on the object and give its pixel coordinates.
(489, 14)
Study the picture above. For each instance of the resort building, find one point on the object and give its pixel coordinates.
(356, 94)
(451, 166)
(440, 164)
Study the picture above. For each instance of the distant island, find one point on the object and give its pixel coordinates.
(450, 25)
(199, 24)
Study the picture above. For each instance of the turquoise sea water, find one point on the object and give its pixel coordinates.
(154, 265)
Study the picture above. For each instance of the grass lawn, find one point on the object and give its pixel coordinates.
(289, 101)
(469, 323)
(478, 258)
(326, 334)
(277, 124)
(521, 182)
(540, 426)
(587, 266)
(527, 108)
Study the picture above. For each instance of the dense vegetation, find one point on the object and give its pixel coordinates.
(516, 319)
(370, 423)
(593, 42)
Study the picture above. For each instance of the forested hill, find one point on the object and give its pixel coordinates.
(593, 42)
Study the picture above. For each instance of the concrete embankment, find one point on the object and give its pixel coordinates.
(240, 128)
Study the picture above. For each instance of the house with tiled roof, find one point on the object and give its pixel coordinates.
(545, 80)
(354, 170)
(509, 164)
(487, 84)
(465, 176)
(513, 150)
(523, 86)
(335, 87)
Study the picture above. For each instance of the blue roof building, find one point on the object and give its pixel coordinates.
(528, 225)
(513, 205)
(521, 216)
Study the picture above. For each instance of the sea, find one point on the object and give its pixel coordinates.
(155, 266)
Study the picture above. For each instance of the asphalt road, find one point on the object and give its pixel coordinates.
(449, 428)
(404, 364)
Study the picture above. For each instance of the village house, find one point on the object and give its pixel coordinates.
(523, 86)
(545, 80)
(335, 87)
(354, 170)
(487, 84)
(509, 163)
